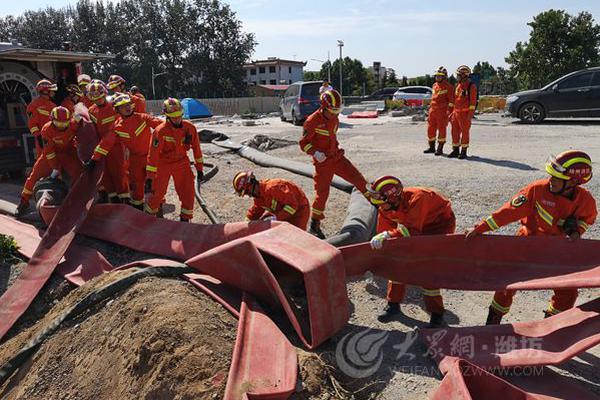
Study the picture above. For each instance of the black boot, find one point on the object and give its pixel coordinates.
(115, 200)
(436, 320)
(315, 228)
(160, 213)
(181, 219)
(547, 314)
(440, 149)
(102, 197)
(22, 208)
(431, 148)
(454, 153)
(463, 153)
(389, 312)
(493, 317)
(138, 206)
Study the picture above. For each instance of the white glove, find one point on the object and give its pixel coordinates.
(55, 173)
(319, 156)
(270, 218)
(377, 240)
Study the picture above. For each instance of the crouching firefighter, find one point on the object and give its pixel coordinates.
(168, 157)
(407, 212)
(274, 199)
(557, 206)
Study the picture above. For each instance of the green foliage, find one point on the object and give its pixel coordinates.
(394, 104)
(9, 249)
(355, 76)
(426, 80)
(199, 43)
(558, 44)
(313, 76)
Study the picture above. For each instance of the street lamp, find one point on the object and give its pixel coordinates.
(340, 45)
(154, 76)
(328, 67)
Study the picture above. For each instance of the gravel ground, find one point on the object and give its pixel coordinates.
(504, 156)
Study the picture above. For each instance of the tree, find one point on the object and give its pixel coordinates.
(485, 69)
(558, 44)
(391, 79)
(312, 76)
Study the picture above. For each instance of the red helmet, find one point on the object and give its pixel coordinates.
(243, 182)
(387, 189)
(441, 71)
(74, 89)
(114, 81)
(571, 165)
(172, 108)
(60, 117)
(331, 100)
(83, 80)
(121, 99)
(45, 86)
(463, 70)
(96, 90)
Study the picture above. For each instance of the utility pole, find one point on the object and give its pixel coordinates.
(328, 66)
(154, 76)
(340, 45)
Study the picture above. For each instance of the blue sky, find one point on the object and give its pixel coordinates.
(413, 37)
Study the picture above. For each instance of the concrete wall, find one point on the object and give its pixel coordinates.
(236, 105)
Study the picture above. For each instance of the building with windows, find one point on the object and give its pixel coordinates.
(274, 71)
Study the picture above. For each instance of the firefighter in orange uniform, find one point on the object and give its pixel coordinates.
(319, 140)
(274, 199)
(74, 96)
(557, 206)
(38, 111)
(117, 84)
(83, 81)
(134, 90)
(114, 180)
(442, 104)
(465, 102)
(168, 157)
(59, 154)
(407, 212)
(133, 130)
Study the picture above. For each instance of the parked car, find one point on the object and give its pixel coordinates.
(299, 101)
(574, 95)
(383, 94)
(413, 93)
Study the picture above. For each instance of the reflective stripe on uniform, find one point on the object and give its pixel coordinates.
(150, 210)
(289, 209)
(27, 192)
(442, 92)
(43, 112)
(471, 108)
(150, 168)
(199, 160)
(93, 118)
(112, 194)
(552, 310)
(403, 230)
(123, 195)
(122, 134)
(169, 139)
(307, 147)
(136, 202)
(431, 292)
(100, 150)
(583, 225)
(545, 215)
(273, 204)
(316, 212)
(34, 129)
(50, 156)
(323, 132)
(58, 141)
(491, 222)
(499, 308)
(450, 104)
(140, 128)
(108, 119)
(187, 212)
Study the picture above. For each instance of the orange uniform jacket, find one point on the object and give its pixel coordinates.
(39, 113)
(140, 102)
(320, 134)
(443, 96)
(420, 211)
(87, 102)
(56, 141)
(542, 212)
(133, 131)
(170, 145)
(68, 104)
(279, 197)
(103, 117)
(465, 97)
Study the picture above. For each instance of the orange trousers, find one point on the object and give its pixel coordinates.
(562, 300)
(301, 217)
(437, 122)
(184, 186)
(115, 179)
(461, 128)
(137, 178)
(324, 172)
(68, 162)
(432, 297)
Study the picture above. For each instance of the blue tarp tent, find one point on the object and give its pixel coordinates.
(192, 108)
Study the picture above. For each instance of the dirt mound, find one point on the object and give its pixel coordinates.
(160, 339)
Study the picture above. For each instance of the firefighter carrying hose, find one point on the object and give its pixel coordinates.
(133, 130)
(116, 83)
(59, 154)
(319, 140)
(114, 186)
(274, 199)
(168, 157)
(465, 102)
(38, 111)
(442, 104)
(407, 212)
(557, 206)
(83, 81)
